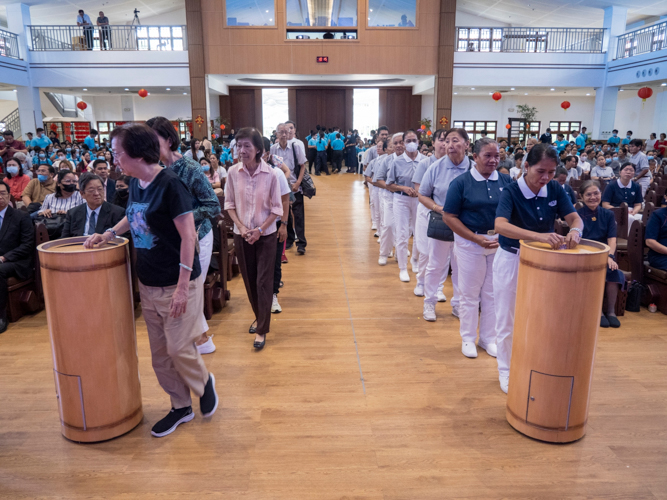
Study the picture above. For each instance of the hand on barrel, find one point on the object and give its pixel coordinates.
(572, 239)
(96, 240)
(179, 301)
(553, 239)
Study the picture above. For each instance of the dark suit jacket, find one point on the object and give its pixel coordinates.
(17, 241)
(75, 222)
(111, 190)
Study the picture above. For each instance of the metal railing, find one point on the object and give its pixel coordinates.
(171, 38)
(587, 40)
(12, 122)
(642, 41)
(9, 44)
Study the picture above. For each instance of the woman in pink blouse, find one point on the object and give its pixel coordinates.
(252, 199)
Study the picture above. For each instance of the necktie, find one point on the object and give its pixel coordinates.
(1, 219)
(91, 224)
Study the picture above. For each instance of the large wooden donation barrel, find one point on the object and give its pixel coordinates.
(90, 315)
(557, 316)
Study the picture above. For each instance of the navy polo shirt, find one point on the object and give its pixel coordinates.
(474, 199)
(570, 192)
(522, 208)
(615, 194)
(656, 229)
(599, 224)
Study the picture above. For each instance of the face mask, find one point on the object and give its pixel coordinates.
(13, 170)
(69, 188)
(122, 191)
(69, 150)
(614, 158)
(629, 136)
(100, 157)
(608, 161)
(61, 157)
(411, 147)
(42, 155)
(583, 158)
(615, 135)
(206, 168)
(650, 157)
(42, 178)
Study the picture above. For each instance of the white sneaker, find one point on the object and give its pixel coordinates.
(415, 268)
(441, 296)
(455, 311)
(207, 347)
(374, 227)
(504, 383)
(429, 312)
(378, 240)
(404, 275)
(469, 349)
(408, 253)
(491, 349)
(382, 261)
(419, 290)
(391, 254)
(275, 306)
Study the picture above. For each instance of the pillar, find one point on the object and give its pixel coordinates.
(615, 19)
(660, 113)
(198, 85)
(127, 108)
(446, 43)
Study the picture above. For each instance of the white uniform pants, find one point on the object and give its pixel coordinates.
(387, 239)
(205, 252)
(375, 207)
(405, 214)
(505, 273)
(632, 218)
(475, 285)
(440, 256)
(420, 242)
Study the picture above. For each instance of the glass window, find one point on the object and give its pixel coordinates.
(339, 13)
(392, 13)
(275, 109)
(257, 13)
(475, 128)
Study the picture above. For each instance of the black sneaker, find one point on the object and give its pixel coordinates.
(173, 419)
(208, 403)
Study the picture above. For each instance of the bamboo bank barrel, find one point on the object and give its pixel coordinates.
(90, 315)
(557, 317)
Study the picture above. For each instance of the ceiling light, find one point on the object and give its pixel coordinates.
(526, 93)
(15, 90)
(149, 93)
(621, 90)
(587, 94)
(553, 90)
(127, 89)
(270, 19)
(490, 93)
(168, 88)
(85, 89)
(185, 93)
(371, 10)
(455, 93)
(512, 88)
(472, 88)
(267, 11)
(663, 85)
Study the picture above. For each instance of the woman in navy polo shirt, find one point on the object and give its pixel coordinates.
(656, 239)
(600, 225)
(624, 189)
(527, 210)
(470, 211)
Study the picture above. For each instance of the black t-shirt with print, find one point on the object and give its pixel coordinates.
(151, 212)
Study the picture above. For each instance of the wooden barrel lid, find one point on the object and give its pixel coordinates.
(75, 245)
(584, 247)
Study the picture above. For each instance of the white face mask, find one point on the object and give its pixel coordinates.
(411, 147)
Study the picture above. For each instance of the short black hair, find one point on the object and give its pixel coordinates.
(8, 132)
(540, 152)
(97, 162)
(255, 137)
(570, 158)
(165, 129)
(87, 178)
(38, 130)
(383, 127)
(52, 169)
(5, 184)
(139, 141)
(561, 171)
(637, 143)
(93, 131)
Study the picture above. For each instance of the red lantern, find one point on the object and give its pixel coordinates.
(53, 127)
(222, 127)
(81, 105)
(143, 93)
(429, 133)
(565, 105)
(497, 96)
(645, 93)
(508, 126)
(423, 127)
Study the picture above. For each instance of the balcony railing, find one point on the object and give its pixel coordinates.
(586, 40)
(9, 44)
(642, 41)
(108, 38)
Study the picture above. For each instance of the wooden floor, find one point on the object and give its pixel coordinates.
(354, 396)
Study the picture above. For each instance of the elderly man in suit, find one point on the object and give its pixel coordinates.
(94, 216)
(17, 247)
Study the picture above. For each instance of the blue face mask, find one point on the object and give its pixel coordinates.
(608, 161)
(69, 150)
(42, 155)
(650, 157)
(206, 168)
(615, 135)
(629, 136)
(42, 178)
(13, 170)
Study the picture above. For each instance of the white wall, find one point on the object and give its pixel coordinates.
(7, 106)
(631, 115)
(109, 108)
(465, 19)
(548, 109)
(173, 18)
(428, 103)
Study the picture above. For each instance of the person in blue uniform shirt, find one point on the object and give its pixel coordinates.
(561, 143)
(312, 152)
(337, 145)
(579, 141)
(90, 140)
(600, 225)
(656, 239)
(470, 211)
(40, 157)
(561, 177)
(321, 161)
(628, 138)
(41, 140)
(584, 134)
(624, 189)
(527, 210)
(614, 140)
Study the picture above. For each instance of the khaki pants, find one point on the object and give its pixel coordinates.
(177, 363)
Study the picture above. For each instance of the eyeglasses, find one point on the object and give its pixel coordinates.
(4, 194)
(94, 190)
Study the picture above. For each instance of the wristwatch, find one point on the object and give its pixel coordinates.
(260, 230)
(110, 230)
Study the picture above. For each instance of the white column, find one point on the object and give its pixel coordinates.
(18, 18)
(615, 20)
(127, 108)
(660, 113)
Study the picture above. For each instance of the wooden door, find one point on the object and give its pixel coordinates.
(549, 398)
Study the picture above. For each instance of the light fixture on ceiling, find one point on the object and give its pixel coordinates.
(663, 84)
(85, 90)
(621, 90)
(512, 88)
(271, 20)
(472, 88)
(371, 10)
(267, 11)
(587, 94)
(490, 93)
(149, 93)
(168, 88)
(185, 93)
(526, 93)
(553, 90)
(455, 93)
(127, 89)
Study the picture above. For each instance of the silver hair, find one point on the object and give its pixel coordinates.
(481, 143)
(397, 134)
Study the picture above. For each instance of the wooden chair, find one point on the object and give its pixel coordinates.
(621, 217)
(561, 227)
(216, 294)
(575, 184)
(649, 208)
(651, 197)
(655, 279)
(232, 262)
(27, 297)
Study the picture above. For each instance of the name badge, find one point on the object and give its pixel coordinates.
(500, 189)
(553, 203)
(632, 193)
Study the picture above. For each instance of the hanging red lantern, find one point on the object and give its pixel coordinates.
(81, 105)
(508, 126)
(645, 93)
(497, 96)
(429, 133)
(143, 93)
(565, 105)
(222, 127)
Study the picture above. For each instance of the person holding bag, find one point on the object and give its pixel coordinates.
(432, 194)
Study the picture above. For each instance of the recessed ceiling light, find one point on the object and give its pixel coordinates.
(663, 84)
(168, 88)
(270, 19)
(371, 10)
(267, 11)
(185, 93)
(455, 93)
(149, 93)
(490, 93)
(587, 94)
(127, 89)
(526, 93)
(512, 88)
(85, 89)
(621, 90)
(472, 88)
(553, 90)
(15, 90)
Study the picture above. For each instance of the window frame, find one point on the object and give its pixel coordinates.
(472, 133)
(566, 132)
(368, 27)
(275, 18)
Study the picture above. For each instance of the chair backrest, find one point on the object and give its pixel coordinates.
(229, 223)
(649, 208)
(660, 190)
(561, 227)
(41, 236)
(621, 216)
(636, 250)
(651, 197)
(576, 184)
(578, 205)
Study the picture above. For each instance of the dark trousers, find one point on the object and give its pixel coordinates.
(297, 223)
(7, 270)
(312, 157)
(88, 33)
(337, 161)
(278, 269)
(256, 263)
(321, 164)
(105, 38)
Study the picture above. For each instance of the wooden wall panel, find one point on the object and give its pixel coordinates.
(307, 108)
(399, 109)
(242, 108)
(198, 87)
(446, 41)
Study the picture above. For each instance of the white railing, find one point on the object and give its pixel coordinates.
(9, 44)
(587, 40)
(642, 41)
(171, 38)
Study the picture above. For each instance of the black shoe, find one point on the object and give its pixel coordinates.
(613, 321)
(173, 419)
(300, 251)
(318, 174)
(208, 403)
(3, 325)
(253, 327)
(289, 245)
(604, 322)
(281, 284)
(259, 345)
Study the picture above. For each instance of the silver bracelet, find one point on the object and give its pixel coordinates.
(577, 230)
(185, 267)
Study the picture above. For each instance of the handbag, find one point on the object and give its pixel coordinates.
(54, 225)
(307, 184)
(634, 299)
(437, 229)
